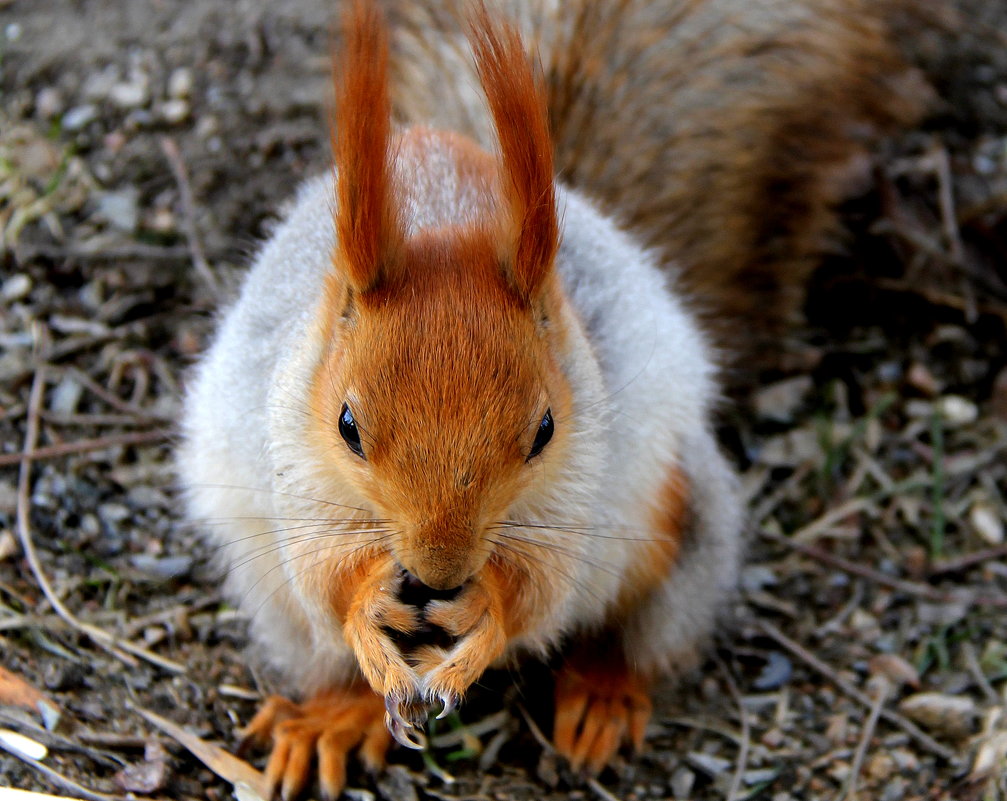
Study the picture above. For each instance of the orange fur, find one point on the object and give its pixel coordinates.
(327, 726)
(600, 702)
(656, 559)
(366, 223)
(517, 102)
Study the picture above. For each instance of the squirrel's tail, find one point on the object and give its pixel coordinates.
(722, 132)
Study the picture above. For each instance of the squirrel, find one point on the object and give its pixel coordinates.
(462, 410)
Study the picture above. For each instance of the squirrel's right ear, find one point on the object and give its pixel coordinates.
(368, 231)
(518, 104)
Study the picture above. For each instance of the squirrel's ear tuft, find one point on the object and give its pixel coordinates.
(517, 101)
(368, 231)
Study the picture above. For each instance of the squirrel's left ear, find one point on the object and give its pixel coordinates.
(517, 102)
(369, 232)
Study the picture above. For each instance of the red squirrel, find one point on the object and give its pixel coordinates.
(465, 387)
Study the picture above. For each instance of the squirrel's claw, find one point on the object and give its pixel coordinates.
(405, 728)
(450, 702)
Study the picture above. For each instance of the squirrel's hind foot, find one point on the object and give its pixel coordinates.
(322, 730)
(600, 703)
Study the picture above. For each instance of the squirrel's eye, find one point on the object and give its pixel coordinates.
(545, 429)
(351, 434)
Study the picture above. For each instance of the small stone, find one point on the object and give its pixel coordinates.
(130, 94)
(119, 208)
(772, 738)
(706, 763)
(48, 103)
(919, 409)
(164, 567)
(8, 545)
(396, 784)
(79, 117)
(951, 715)
(757, 577)
(880, 766)
(957, 411)
(149, 776)
(780, 401)
(16, 287)
(894, 668)
(174, 111)
(920, 377)
(776, 672)
(66, 396)
(180, 83)
(796, 447)
(113, 512)
(682, 782)
(62, 676)
(987, 522)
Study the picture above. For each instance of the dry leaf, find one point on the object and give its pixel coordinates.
(15, 691)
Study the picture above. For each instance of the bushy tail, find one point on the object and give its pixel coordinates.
(722, 132)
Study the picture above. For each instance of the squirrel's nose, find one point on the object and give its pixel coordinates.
(414, 592)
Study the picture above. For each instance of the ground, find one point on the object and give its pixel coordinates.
(145, 148)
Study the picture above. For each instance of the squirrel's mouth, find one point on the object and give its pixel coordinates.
(414, 592)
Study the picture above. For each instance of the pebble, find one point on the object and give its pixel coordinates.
(79, 117)
(174, 111)
(162, 567)
(133, 93)
(682, 782)
(920, 377)
(8, 545)
(180, 83)
(48, 103)
(757, 577)
(950, 715)
(957, 411)
(112, 513)
(119, 208)
(66, 397)
(396, 784)
(987, 522)
(17, 287)
(710, 765)
(796, 447)
(780, 401)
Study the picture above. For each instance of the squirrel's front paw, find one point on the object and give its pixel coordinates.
(376, 616)
(475, 620)
(324, 729)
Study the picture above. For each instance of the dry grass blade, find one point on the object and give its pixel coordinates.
(817, 664)
(227, 766)
(178, 169)
(121, 649)
(58, 778)
(84, 445)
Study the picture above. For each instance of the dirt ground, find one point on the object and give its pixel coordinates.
(868, 646)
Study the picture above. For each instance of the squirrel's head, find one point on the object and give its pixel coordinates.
(442, 395)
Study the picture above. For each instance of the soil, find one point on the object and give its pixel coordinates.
(868, 643)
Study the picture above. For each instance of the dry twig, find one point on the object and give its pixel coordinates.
(120, 649)
(174, 157)
(883, 691)
(894, 718)
(84, 445)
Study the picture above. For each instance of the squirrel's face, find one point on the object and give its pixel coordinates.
(443, 403)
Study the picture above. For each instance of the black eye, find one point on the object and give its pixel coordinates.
(545, 429)
(348, 428)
